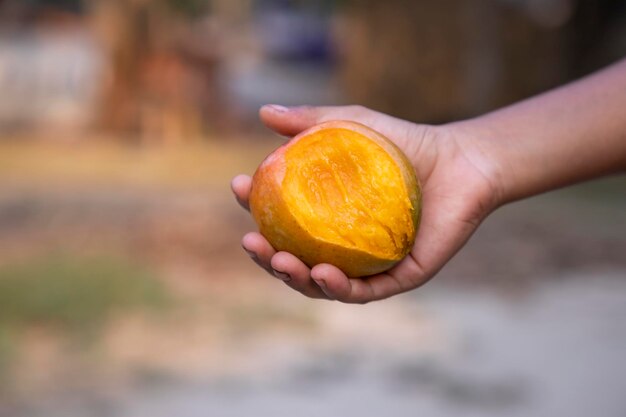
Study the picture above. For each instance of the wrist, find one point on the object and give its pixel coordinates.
(480, 144)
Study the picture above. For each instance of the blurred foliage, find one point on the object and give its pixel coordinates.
(190, 8)
(7, 353)
(74, 294)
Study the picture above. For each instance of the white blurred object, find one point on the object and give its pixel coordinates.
(49, 78)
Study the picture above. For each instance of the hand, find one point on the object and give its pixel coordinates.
(459, 189)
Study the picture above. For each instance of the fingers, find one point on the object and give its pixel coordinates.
(241, 185)
(259, 249)
(332, 281)
(281, 265)
(290, 121)
(324, 280)
(286, 121)
(297, 274)
(327, 281)
(336, 285)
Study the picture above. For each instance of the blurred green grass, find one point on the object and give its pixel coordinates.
(74, 294)
(7, 354)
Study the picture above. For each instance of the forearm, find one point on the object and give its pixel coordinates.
(571, 134)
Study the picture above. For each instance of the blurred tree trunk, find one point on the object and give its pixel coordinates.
(401, 56)
(122, 27)
(437, 61)
(159, 85)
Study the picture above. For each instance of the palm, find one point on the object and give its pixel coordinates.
(456, 197)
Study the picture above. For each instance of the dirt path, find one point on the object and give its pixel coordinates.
(527, 320)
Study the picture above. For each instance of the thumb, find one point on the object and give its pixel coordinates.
(289, 121)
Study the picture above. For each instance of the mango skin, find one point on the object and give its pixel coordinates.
(278, 224)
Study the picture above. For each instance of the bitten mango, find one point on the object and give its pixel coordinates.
(338, 193)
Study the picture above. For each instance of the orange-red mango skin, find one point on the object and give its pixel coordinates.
(278, 225)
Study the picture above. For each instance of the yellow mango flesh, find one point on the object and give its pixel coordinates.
(341, 194)
(347, 190)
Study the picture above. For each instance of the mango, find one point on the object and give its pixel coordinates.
(338, 193)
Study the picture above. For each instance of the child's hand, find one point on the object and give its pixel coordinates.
(459, 189)
(467, 169)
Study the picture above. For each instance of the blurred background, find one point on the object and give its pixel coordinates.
(124, 290)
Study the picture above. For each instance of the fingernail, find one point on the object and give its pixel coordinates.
(278, 108)
(322, 284)
(243, 204)
(282, 276)
(251, 254)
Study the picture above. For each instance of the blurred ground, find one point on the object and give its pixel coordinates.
(527, 320)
